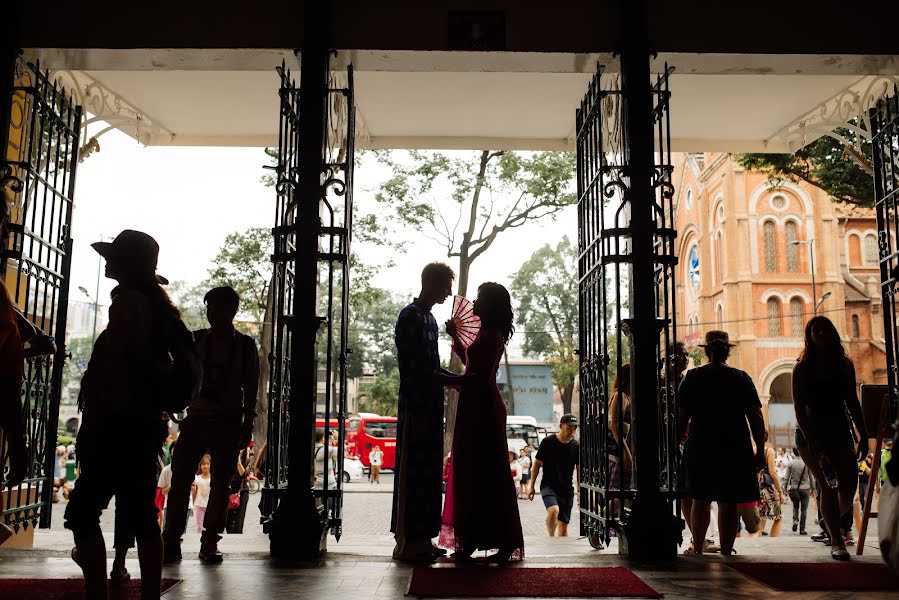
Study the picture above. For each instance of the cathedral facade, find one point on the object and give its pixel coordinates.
(746, 247)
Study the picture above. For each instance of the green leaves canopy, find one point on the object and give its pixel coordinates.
(545, 287)
(821, 164)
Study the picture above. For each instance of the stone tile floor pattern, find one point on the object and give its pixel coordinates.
(359, 566)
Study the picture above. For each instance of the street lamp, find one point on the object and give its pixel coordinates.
(824, 297)
(811, 252)
(94, 302)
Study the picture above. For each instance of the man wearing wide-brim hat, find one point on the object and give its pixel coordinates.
(715, 401)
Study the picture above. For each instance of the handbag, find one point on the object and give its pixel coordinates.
(234, 501)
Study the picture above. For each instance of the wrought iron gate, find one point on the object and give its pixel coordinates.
(885, 155)
(38, 168)
(605, 269)
(336, 214)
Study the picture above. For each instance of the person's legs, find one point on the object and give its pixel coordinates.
(551, 502)
(775, 527)
(191, 448)
(199, 515)
(82, 517)
(728, 521)
(224, 458)
(762, 522)
(828, 500)
(700, 515)
(686, 505)
(564, 516)
(804, 496)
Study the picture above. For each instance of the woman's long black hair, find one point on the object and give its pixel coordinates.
(818, 354)
(498, 310)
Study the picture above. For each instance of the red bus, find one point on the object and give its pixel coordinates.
(365, 431)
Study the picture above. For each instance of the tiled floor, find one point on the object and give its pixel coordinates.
(359, 569)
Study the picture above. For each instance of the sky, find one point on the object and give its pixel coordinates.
(190, 198)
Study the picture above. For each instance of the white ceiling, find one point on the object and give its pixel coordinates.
(457, 109)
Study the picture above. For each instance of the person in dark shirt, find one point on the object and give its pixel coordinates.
(561, 455)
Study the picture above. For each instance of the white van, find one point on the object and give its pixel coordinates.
(523, 431)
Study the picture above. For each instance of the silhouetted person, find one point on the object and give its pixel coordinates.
(825, 397)
(715, 401)
(15, 331)
(417, 491)
(219, 423)
(123, 395)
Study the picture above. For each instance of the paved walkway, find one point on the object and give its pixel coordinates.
(360, 567)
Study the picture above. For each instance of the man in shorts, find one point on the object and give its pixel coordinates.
(560, 454)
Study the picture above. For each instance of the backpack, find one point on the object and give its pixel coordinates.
(174, 379)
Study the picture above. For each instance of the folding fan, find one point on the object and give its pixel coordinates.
(467, 323)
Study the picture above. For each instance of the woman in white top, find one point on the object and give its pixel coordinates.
(200, 491)
(525, 462)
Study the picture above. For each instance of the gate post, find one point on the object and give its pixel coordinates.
(649, 532)
(298, 530)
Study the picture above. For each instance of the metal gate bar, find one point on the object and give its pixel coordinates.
(39, 168)
(885, 159)
(606, 267)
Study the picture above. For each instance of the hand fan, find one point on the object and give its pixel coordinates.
(467, 323)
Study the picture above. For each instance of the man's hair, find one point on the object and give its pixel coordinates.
(319, 435)
(437, 272)
(226, 296)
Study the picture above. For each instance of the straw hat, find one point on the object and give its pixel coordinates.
(717, 337)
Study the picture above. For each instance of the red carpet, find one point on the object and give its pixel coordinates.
(853, 575)
(528, 582)
(68, 589)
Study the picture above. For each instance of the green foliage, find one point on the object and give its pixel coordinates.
(74, 368)
(546, 289)
(189, 300)
(821, 163)
(244, 263)
(381, 395)
(492, 192)
(697, 355)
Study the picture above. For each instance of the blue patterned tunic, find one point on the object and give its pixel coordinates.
(419, 453)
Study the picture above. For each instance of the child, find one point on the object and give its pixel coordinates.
(200, 491)
(516, 472)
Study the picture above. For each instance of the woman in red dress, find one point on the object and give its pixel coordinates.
(481, 510)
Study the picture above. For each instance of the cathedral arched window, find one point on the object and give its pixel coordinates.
(855, 328)
(719, 276)
(792, 248)
(871, 255)
(770, 247)
(719, 315)
(796, 324)
(855, 251)
(774, 318)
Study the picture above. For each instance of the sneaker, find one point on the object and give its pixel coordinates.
(803, 532)
(171, 553)
(210, 554)
(820, 537)
(795, 527)
(839, 554)
(710, 546)
(5, 533)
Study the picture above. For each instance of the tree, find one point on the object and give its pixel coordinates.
(821, 164)
(244, 262)
(74, 367)
(489, 192)
(381, 395)
(546, 289)
(189, 300)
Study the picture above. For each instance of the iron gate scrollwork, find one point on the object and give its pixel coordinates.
(336, 214)
(885, 160)
(38, 168)
(605, 267)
